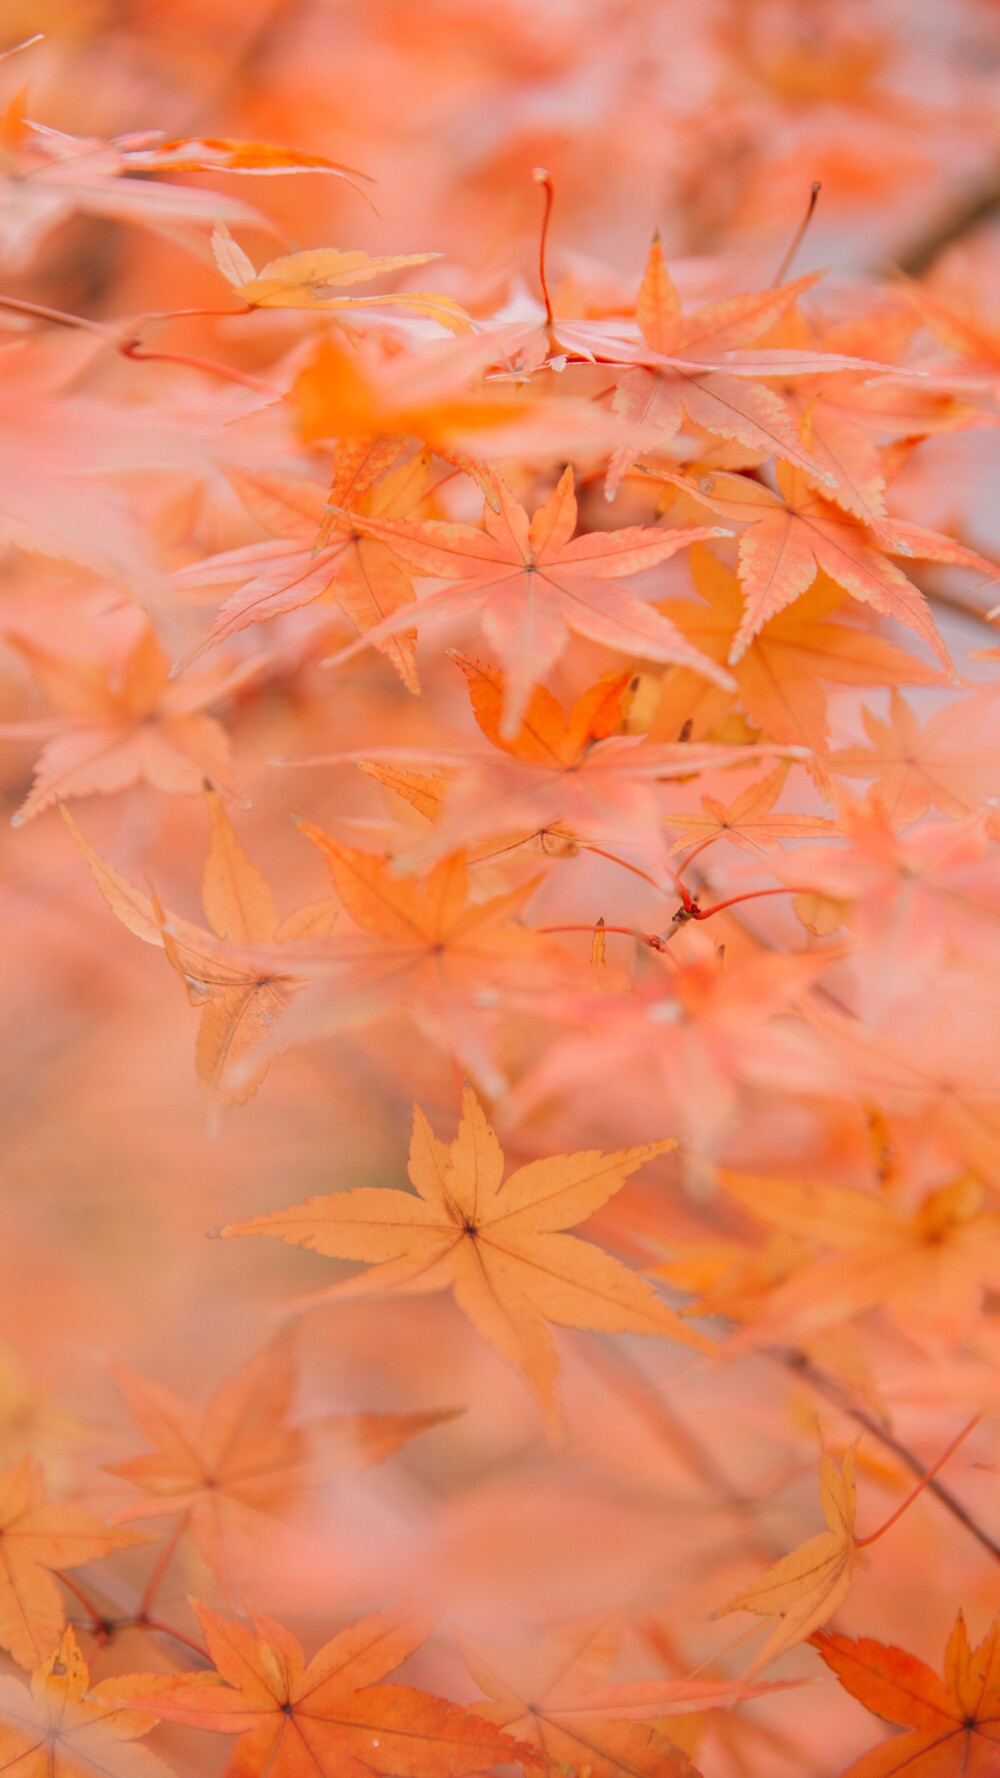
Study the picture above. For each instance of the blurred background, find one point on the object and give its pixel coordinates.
(709, 123)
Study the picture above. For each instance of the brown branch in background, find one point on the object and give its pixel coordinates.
(956, 602)
(797, 1362)
(978, 206)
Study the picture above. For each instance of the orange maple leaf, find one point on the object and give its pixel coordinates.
(54, 175)
(694, 1035)
(218, 1471)
(329, 1717)
(53, 438)
(792, 534)
(314, 558)
(927, 1266)
(554, 1698)
(496, 1245)
(567, 780)
(239, 1001)
(924, 893)
(436, 396)
(428, 947)
(312, 279)
(948, 762)
(958, 323)
(749, 822)
(692, 367)
(942, 1075)
(806, 1586)
(138, 727)
(37, 1536)
(430, 794)
(65, 1728)
(534, 582)
(780, 675)
(841, 416)
(228, 154)
(953, 1727)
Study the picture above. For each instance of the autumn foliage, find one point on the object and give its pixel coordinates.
(499, 727)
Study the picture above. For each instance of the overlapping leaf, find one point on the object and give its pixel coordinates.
(240, 1001)
(953, 1726)
(65, 1728)
(217, 1472)
(329, 1717)
(36, 1536)
(534, 582)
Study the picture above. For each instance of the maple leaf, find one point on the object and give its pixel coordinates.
(534, 582)
(806, 1586)
(32, 1423)
(328, 1717)
(947, 763)
(922, 895)
(780, 674)
(547, 736)
(310, 280)
(696, 371)
(219, 1471)
(953, 1726)
(553, 1698)
(958, 323)
(239, 1001)
(436, 396)
(942, 1076)
(327, 560)
(426, 946)
(794, 533)
(119, 729)
(49, 175)
(729, 1277)
(927, 1266)
(695, 1035)
(841, 416)
(36, 1536)
(228, 154)
(55, 498)
(497, 1246)
(749, 821)
(566, 780)
(64, 1728)
(428, 793)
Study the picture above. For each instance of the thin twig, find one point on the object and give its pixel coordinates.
(98, 1622)
(862, 1543)
(797, 1362)
(797, 239)
(160, 1566)
(158, 1628)
(541, 177)
(132, 349)
(38, 311)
